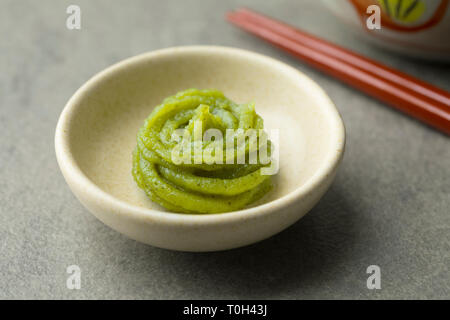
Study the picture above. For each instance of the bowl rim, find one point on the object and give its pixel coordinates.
(73, 173)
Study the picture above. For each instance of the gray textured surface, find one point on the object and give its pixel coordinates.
(389, 205)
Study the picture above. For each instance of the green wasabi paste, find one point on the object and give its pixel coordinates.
(200, 185)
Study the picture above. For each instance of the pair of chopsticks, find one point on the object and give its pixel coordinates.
(404, 92)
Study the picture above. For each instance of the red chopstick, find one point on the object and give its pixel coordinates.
(364, 63)
(406, 93)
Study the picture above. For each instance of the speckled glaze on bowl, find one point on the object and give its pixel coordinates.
(96, 134)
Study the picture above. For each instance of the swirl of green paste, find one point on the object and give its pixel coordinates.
(192, 186)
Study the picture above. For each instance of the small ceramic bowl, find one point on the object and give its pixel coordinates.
(96, 134)
(415, 28)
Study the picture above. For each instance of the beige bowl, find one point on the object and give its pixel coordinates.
(96, 134)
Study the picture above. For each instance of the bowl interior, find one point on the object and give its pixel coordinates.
(109, 110)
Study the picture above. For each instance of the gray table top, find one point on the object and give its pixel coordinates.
(389, 205)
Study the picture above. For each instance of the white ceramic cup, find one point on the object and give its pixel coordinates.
(418, 28)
